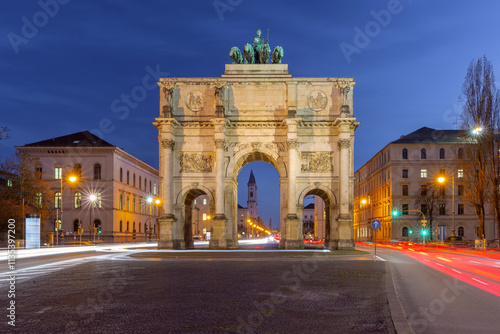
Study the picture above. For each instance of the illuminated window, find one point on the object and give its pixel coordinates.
(128, 203)
(121, 202)
(204, 201)
(57, 200)
(204, 216)
(133, 205)
(460, 173)
(97, 202)
(38, 200)
(154, 188)
(77, 200)
(423, 173)
(57, 173)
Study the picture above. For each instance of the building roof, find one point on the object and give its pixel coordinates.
(251, 179)
(79, 139)
(428, 135)
(240, 207)
(309, 206)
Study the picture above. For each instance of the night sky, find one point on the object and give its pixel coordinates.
(65, 64)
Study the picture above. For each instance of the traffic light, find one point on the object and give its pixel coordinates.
(424, 232)
(395, 212)
(99, 230)
(410, 231)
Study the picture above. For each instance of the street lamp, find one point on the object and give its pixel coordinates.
(72, 179)
(441, 179)
(92, 199)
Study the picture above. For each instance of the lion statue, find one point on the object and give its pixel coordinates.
(264, 52)
(249, 55)
(236, 55)
(277, 55)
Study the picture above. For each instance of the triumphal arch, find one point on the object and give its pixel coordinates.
(209, 128)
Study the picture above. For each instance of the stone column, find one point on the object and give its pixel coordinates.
(219, 178)
(292, 175)
(168, 238)
(344, 145)
(343, 236)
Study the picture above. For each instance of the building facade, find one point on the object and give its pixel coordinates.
(403, 176)
(113, 190)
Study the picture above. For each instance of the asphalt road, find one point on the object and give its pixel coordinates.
(204, 292)
(441, 291)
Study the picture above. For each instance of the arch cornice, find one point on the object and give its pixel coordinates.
(317, 187)
(255, 149)
(195, 186)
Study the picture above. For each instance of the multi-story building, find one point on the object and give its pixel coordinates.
(313, 218)
(113, 190)
(403, 176)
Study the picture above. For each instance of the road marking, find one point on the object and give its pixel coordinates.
(475, 262)
(457, 271)
(379, 258)
(439, 264)
(475, 279)
(456, 258)
(424, 253)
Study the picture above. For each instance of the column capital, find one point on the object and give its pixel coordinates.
(167, 143)
(344, 143)
(292, 143)
(219, 142)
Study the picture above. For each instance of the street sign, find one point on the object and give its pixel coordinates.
(375, 224)
(90, 227)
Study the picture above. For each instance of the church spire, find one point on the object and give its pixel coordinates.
(251, 179)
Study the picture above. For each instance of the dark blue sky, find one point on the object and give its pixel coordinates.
(62, 71)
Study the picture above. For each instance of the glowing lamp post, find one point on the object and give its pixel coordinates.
(92, 199)
(442, 179)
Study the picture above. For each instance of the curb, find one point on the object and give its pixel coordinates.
(398, 315)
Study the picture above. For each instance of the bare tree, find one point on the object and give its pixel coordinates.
(480, 116)
(429, 198)
(4, 132)
(24, 191)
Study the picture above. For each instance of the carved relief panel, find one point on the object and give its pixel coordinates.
(196, 162)
(316, 162)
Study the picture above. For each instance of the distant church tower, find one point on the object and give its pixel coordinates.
(252, 196)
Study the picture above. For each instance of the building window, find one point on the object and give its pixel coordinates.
(78, 200)
(460, 209)
(57, 200)
(204, 216)
(460, 173)
(150, 186)
(128, 177)
(133, 205)
(204, 201)
(442, 209)
(76, 225)
(154, 188)
(77, 170)
(405, 231)
(121, 174)
(423, 208)
(460, 190)
(460, 153)
(140, 225)
(57, 173)
(97, 202)
(423, 154)
(460, 231)
(128, 227)
(404, 209)
(404, 190)
(133, 180)
(405, 153)
(405, 173)
(423, 190)
(37, 201)
(121, 202)
(128, 203)
(97, 172)
(133, 226)
(38, 172)
(145, 184)
(423, 173)
(121, 226)
(140, 181)
(441, 153)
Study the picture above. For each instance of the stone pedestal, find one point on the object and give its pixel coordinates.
(170, 234)
(219, 111)
(167, 112)
(218, 238)
(294, 238)
(345, 234)
(344, 111)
